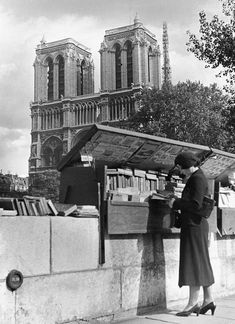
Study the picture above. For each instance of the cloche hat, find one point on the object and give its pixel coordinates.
(186, 160)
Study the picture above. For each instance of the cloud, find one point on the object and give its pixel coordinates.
(6, 70)
(23, 24)
(15, 150)
(187, 67)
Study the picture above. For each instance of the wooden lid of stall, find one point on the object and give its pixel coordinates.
(117, 147)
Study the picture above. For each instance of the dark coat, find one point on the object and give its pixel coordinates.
(195, 267)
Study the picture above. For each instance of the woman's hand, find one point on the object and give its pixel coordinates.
(171, 202)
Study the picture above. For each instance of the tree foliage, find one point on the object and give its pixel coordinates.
(187, 112)
(216, 43)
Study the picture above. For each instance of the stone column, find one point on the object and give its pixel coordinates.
(137, 69)
(112, 71)
(67, 74)
(104, 107)
(36, 66)
(73, 77)
(144, 62)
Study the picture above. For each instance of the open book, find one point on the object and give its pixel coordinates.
(65, 209)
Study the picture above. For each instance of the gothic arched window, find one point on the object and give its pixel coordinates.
(149, 63)
(61, 76)
(50, 79)
(52, 151)
(129, 63)
(82, 78)
(118, 66)
(78, 77)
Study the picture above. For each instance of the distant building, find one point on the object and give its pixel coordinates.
(18, 183)
(13, 183)
(64, 98)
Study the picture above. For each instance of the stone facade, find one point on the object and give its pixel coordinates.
(64, 98)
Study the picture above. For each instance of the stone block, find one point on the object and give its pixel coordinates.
(229, 269)
(7, 305)
(68, 297)
(143, 287)
(126, 250)
(171, 248)
(75, 244)
(24, 245)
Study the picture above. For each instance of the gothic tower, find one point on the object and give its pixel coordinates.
(166, 60)
(130, 56)
(62, 69)
(64, 98)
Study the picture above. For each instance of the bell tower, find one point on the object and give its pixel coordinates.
(130, 56)
(62, 69)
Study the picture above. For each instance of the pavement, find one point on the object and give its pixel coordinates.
(224, 314)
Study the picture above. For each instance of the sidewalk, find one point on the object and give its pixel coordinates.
(224, 314)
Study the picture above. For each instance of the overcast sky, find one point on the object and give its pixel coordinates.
(23, 23)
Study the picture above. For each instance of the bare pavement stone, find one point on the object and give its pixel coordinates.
(224, 314)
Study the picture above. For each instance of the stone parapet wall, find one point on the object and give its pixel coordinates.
(64, 283)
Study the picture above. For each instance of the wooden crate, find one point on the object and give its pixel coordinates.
(124, 217)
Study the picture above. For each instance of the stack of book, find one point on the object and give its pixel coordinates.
(27, 206)
(40, 206)
(87, 210)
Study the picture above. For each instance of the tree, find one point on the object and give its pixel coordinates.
(216, 45)
(187, 112)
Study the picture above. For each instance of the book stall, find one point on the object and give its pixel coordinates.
(125, 175)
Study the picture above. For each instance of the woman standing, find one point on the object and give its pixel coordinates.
(195, 268)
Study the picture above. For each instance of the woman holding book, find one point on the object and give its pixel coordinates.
(195, 268)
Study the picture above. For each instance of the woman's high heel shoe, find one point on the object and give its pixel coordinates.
(210, 306)
(194, 309)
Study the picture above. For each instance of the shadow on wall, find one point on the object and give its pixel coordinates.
(152, 284)
(152, 288)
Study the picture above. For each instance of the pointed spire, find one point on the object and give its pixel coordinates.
(166, 60)
(136, 20)
(43, 41)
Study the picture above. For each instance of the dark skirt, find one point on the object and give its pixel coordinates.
(195, 267)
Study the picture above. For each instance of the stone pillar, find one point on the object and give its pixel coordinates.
(40, 81)
(67, 75)
(137, 70)
(104, 108)
(39, 119)
(159, 70)
(91, 78)
(39, 71)
(66, 115)
(36, 66)
(107, 67)
(112, 71)
(103, 54)
(73, 77)
(144, 62)
(43, 82)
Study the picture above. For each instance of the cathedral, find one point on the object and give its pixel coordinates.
(64, 97)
